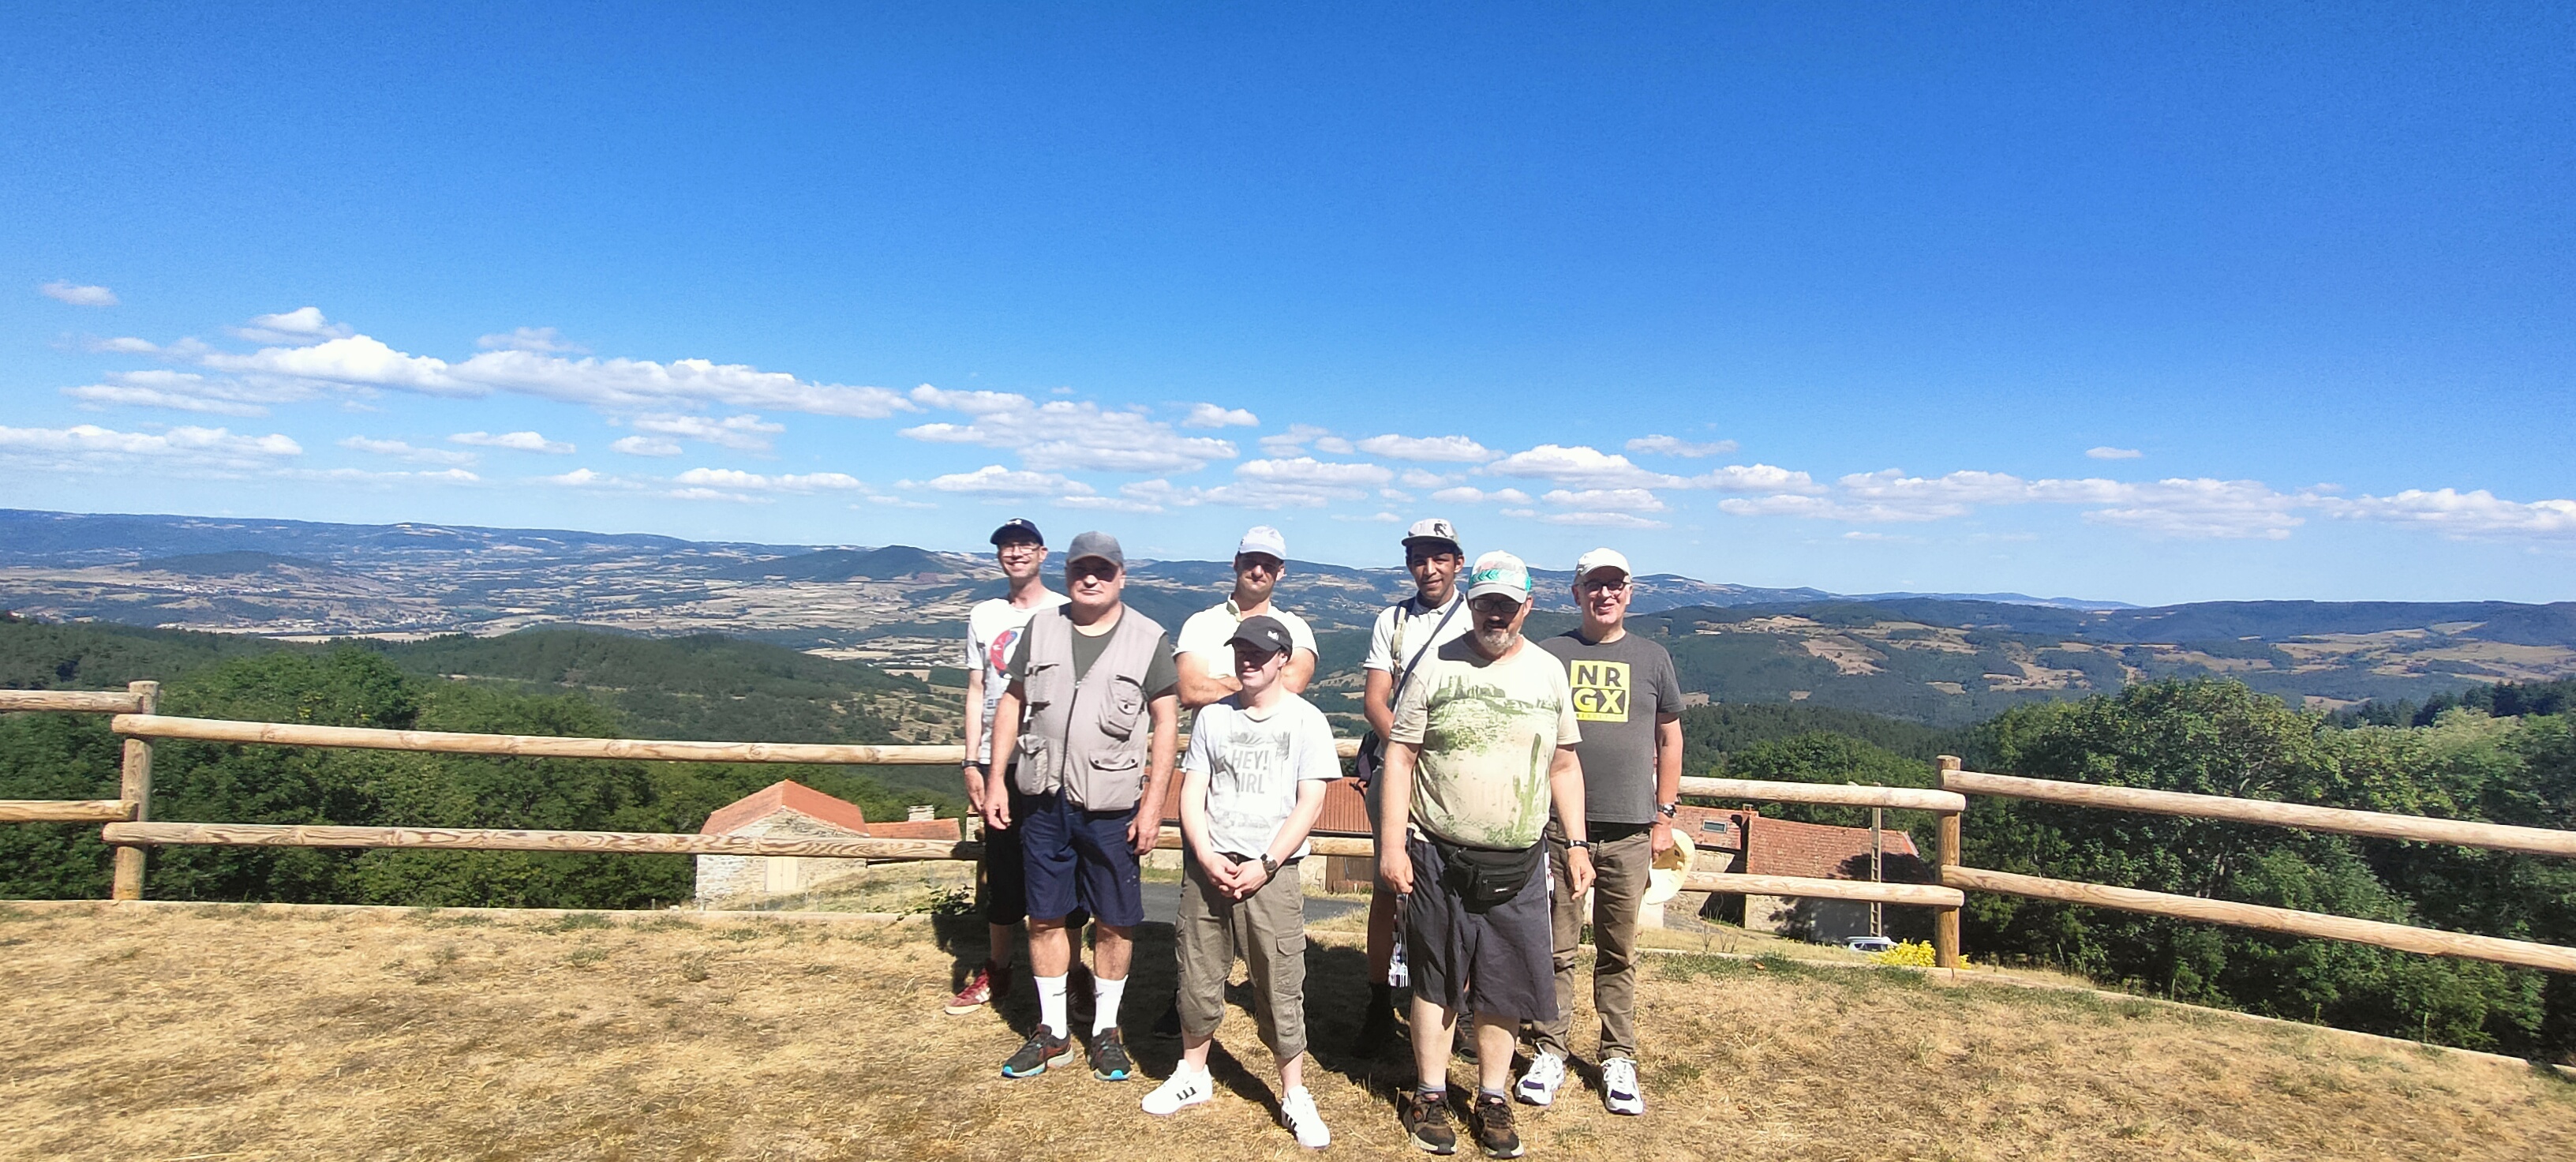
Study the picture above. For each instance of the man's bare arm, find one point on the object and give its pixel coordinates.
(1202, 682)
(1148, 824)
(974, 735)
(1377, 695)
(1565, 786)
(1394, 811)
(1006, 740)
(1299, 670)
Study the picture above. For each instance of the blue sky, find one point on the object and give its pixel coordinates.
(2152, 303)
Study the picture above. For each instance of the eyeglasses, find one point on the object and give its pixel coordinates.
(1019, 549)
(1613, 586)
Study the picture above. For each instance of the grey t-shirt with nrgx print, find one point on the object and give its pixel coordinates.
(1620, 688)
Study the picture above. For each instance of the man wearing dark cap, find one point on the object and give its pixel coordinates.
(993, 631)
(1252, 785)
(1404, 634)
(1090, 720)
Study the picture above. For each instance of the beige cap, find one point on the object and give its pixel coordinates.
(1664, 878)
(1600, 559)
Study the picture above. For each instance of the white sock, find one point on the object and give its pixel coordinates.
(1051, 1004)
(1104, 997)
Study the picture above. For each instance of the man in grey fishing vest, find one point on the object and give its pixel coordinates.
(1091, 718)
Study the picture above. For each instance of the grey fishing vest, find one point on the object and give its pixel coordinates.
(1087, 738)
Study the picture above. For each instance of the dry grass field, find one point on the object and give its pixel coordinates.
(176, 1032)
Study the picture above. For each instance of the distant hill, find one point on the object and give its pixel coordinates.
(1940, 659)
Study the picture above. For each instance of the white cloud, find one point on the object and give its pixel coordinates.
(1292, 441)
(2458, 514)
(1467, 495)
(186, 391)
(1308, 471)
(1378, 518)
(88, 447)
(541, 339)
(755, 482)
(1606, 499)
(1107, 503)
(77, 295)
(2205, 509)
(645, 446)
(402, 451)
(1208, 415)
(2106, 452)
(715, 494)
(1334, 445)
(356, 361)
(1882, 538)
(744, 432)
(1754, 478)
(1060, 435)
(995, 480)
(584, 478)
(303, 324)
(363, 476)
(2201, 508)
(125, 345)
(1676, 446)
(514, 441)
(1581, 467)
(1605, 520)
(1417, 478)
(1430, 449)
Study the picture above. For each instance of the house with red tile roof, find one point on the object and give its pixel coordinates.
(789, 809)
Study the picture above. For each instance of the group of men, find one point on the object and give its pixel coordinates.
(1505, 780)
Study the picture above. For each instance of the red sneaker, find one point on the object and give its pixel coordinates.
(981, 989)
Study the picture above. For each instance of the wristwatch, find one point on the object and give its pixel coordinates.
(1269, 866)
(1669, 810)
(1585, 844)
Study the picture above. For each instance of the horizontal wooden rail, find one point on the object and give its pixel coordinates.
(529, 745)
(1843, 794)
(2375, 824)
(1930, 895)
(65, 810)
(2430, 942)
(491, 839)
(550, 746)
(86, 701)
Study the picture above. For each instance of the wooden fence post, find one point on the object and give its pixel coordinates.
(138, 791)
(1945, 855)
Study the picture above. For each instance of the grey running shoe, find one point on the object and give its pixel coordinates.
(1425, 1118)
(1494, 1126)
(1109, 1057)
(1036, 1054)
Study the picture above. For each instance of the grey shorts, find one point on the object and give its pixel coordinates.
(1502, 961)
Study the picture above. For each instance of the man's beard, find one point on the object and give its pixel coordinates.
(1495, 642)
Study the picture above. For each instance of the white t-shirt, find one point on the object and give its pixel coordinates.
(1403, 631)
(992, 633)
(1254, 766)
(1205, 633)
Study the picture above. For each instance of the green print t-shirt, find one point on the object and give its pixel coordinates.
(1488, 733)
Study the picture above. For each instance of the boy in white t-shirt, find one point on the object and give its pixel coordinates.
(1252, 785)
(993, 631)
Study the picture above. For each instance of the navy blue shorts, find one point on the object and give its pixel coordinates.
(1075, 859)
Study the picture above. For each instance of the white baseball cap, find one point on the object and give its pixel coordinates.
(1262, 539)
(1432, 529)
(1601, 559)
(1499, 572)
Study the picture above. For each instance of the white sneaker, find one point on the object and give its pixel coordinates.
(1538, 1085)
(1298, 1110)
(1619, 1092)
(1185, 1087)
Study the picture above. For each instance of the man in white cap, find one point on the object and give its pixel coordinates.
(1404, 634)
(1630, 704)
(1206, 661)
(1480, 753)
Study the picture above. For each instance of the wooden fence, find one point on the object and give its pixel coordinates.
(129, 828)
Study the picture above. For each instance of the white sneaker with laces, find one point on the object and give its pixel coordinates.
(1538, 1084)
(1185, 1087)
(1619, 1092)
(1298, 1110)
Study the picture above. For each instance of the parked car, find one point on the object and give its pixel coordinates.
(1869, 944)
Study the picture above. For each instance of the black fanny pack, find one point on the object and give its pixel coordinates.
(1483, 877)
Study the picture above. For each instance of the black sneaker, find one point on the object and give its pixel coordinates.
(1376, 1032)
(1494, 1126)
(1109, 1057)
(1036, 1054)
(1425, 1118)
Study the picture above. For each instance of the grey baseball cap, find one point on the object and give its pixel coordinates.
(1095, 544)
(1435, 530)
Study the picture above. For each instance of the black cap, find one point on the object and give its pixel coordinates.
(1018, 529)
(1263, 632)
(1095, 544)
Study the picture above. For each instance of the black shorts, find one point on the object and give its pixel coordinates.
(1502, 959)
(1002, 882)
